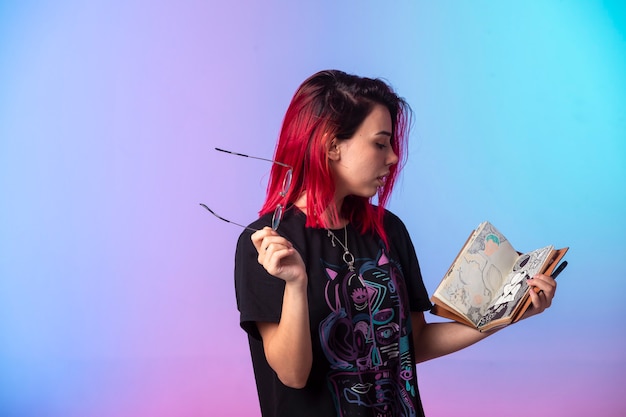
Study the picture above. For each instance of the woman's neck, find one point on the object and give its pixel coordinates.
(301, 204)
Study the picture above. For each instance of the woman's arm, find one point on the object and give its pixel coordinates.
(287, 344)
(432, 340)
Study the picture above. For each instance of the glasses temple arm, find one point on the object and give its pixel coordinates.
(252, 157)
(226, 220)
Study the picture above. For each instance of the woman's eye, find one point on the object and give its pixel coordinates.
(381, 145)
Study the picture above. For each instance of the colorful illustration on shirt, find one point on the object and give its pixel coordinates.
(366, 339)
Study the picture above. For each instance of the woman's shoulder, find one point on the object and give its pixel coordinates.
(391, 219)
(395, 228)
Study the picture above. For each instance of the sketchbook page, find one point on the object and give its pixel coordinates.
(478, 273)
(516, 286)
(548, 268)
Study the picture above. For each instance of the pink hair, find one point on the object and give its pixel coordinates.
(332, 105)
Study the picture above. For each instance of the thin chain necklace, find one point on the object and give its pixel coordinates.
(348, 258)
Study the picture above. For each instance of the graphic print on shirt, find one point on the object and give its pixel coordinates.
(366, 340)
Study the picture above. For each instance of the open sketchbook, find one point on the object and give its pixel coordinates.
(485, 287)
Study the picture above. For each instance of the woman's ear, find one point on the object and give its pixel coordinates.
(333, 151)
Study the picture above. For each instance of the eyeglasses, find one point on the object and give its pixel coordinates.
(278, 212)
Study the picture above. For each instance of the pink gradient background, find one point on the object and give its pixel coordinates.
(116, 287)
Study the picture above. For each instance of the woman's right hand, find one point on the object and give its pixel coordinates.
(278, 256)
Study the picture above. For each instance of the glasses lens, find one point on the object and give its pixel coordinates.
(278, 215)
(286, 182)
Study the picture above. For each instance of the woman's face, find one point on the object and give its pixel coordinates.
(361, 163)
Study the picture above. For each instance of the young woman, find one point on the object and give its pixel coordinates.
(331, 294)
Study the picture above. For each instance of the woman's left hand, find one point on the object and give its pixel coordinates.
(543, 289)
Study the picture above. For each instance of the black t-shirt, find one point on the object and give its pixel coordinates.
(363, 360)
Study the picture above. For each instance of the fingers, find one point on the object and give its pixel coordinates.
(543, 283)
(267, 239)
(273, 250)
(275, 253)
(539, 301)
(544, 290)
(258, 236)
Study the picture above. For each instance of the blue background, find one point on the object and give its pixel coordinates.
(116, 287)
